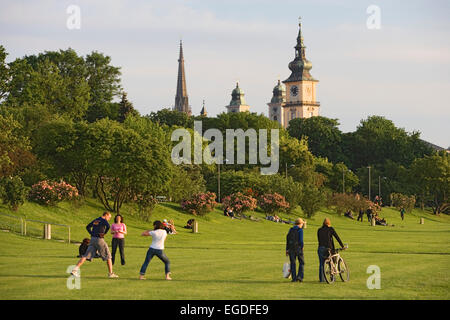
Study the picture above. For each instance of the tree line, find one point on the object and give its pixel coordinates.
(66, 117)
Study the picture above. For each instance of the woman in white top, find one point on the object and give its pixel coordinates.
(159, 235)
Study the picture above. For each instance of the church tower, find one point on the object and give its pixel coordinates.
(181, 98)
(237, 103)
(300, 92)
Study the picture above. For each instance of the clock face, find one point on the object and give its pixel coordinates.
(294, 90)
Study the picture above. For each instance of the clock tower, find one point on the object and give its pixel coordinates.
(300, 97)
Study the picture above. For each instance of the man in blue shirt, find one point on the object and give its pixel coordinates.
(294, 249)
(97, 229)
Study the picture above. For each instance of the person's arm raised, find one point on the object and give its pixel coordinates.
(146, 233)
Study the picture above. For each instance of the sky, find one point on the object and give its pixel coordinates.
(400, 71)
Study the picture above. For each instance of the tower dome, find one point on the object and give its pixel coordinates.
(279, 93)
(237, 96)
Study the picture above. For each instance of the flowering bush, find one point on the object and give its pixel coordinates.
(271, 202)
(200, 203)
(239, 202)
(49, 192)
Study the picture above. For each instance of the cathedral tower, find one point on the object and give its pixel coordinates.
(181, 98)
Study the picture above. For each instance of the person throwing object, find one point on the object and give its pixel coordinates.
(97, 229)
(159, 235)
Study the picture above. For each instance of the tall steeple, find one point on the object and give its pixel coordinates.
(300, 66)
(181, 98)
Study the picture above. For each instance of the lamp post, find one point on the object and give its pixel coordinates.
(369, 184)
(379, 185)
(290, 166)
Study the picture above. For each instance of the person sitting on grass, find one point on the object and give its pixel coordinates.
(348, 214)
(189, 224)
(171, 226)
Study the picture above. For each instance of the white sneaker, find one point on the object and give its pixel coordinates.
(75, 273)
(113, 275)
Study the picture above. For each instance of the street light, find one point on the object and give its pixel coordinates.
(379, 185)
(369, 184)
(291, 166)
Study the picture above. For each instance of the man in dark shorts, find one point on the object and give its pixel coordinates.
(97, 229)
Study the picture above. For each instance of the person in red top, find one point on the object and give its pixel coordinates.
(118, 230)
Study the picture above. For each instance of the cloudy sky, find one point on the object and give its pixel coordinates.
(400, 71)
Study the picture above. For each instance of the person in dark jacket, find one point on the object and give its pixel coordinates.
(325, 236)
(97, 229)
(294, 249)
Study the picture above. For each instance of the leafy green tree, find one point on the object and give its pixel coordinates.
(4, 73)
(312, 200)
(126, 109)
(14, 147)
(430, 176)
(322, 134)
(377, 140)
(186, 181)
(13, 192)
(126, 162)
(63, 144)
(171, 118)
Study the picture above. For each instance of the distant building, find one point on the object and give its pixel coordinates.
(297, 99)
(181, 98)
(203, 112)
(237, 103)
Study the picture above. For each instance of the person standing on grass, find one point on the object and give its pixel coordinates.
(402, 213)
(294, 249)
(118, 230)
(97, 229)
(325, 237)
(159, 235)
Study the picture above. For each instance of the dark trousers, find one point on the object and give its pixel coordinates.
(293, 256)
(323, 254)
(360, 216)
(121, 243)
(160, 254)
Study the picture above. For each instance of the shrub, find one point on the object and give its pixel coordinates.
(272, 202)
(49, 192)
(399, 201)
(14, 192)
(145, 205)
(239, 202)
(312, 200)
(200, 204)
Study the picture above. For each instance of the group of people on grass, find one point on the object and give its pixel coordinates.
(96, 247)
(294, 247)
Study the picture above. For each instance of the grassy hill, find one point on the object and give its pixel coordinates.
(227, 259)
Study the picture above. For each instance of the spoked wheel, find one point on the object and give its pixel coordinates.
(344, 272)
(327, 271)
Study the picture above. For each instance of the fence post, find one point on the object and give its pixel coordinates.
(24, 227)
(373, 222)
(195, 227)
(21, 226)
(69, 234)
(422, 220)
(47, 231)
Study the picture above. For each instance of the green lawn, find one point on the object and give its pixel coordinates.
(229, 259)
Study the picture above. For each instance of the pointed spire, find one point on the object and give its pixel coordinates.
(203, 112)
(181, 98)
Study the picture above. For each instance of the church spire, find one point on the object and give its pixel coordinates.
(300, 66)
(181, 98)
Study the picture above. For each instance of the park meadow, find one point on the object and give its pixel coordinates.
(228, 258)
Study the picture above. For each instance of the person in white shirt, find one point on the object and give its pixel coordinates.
(159, 235)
